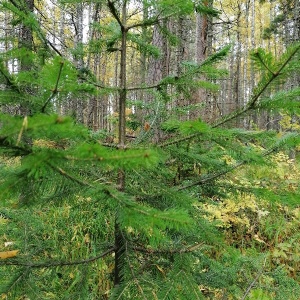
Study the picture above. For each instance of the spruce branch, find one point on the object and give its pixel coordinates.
(9, 80)
(212, 177)
(168, 251)
(257, 54)
(56, 263)
(55, 90)
(69, 176)
(135, 279)
(18, 149)
(252, 103)
(179, 140)
(115, 14)
(249, 106)
(146, 23)
(130, 89)
(152, 21)
(181, 274)
(17, 278)
(255, 280)
(148, 87)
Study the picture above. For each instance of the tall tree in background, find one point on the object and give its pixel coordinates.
(287, 22)
(200, 56)
(26, 36)
(26, 46)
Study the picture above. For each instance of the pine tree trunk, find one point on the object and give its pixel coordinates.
(200, 96)
(119, 239)
(158, 69)
(237, 76)
(26, 37)
(295, 80)
(79, 63)
(182, 55)
(143, 69)
(26, 41)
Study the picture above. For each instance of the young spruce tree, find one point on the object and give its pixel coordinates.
(87, 219)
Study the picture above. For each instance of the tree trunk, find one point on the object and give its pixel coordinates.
(158, 69)
(26, 37)
(26, 42)
(119, 238)
(200, 96)
(182, 55)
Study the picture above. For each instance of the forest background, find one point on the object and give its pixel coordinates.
(149, 149)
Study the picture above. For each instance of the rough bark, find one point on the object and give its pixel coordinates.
(26, 37)
(200, 96)
(158, 69)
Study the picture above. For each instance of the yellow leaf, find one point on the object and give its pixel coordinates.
(8, 254)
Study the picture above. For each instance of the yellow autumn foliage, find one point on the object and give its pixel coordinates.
(243, 209)
(232, 211)
(288, 122)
